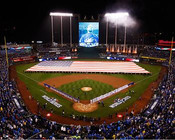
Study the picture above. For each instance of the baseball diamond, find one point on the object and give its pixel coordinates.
(104, 71)
(101, 84)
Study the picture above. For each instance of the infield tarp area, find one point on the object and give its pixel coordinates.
(88, 67)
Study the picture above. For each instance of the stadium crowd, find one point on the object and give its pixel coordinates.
(151, 51)
(47, 52)
(17, 122)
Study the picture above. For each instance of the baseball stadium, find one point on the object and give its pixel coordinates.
(88, 87)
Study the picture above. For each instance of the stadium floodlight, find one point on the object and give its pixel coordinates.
(118, 18)
(117, 14)
(52, 14)
(61, 14)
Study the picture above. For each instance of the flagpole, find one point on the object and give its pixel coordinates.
(5, 43)
(171, 51)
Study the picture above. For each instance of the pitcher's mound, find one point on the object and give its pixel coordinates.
(86, 88)
(85, 107)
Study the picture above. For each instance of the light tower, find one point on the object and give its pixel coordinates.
(119, 18)
(52, 14)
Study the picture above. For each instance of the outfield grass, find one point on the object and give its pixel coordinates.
(142, 82)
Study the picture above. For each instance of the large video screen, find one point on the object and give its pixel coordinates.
(88, 34)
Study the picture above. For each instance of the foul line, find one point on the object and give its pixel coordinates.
(147, 78)
(34, 81)
(27, 77)
(43, 91)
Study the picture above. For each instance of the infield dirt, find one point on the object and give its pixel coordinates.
(61, 80)
(84, 105)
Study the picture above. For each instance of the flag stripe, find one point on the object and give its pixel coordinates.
(87, 66)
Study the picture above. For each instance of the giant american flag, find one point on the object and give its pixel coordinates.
(87, 66)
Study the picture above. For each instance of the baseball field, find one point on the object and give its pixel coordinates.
(85, 87)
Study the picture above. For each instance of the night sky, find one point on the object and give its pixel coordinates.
(29, 20)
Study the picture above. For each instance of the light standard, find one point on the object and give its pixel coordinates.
(116, 36)
(107, 32)
(52, 14)
(125, 37)
(119, 18)
(70, 31)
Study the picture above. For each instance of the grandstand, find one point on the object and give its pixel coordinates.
(140, 102)
(155, 121)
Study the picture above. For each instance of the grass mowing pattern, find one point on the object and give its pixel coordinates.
(37, 91)
(74, 89)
